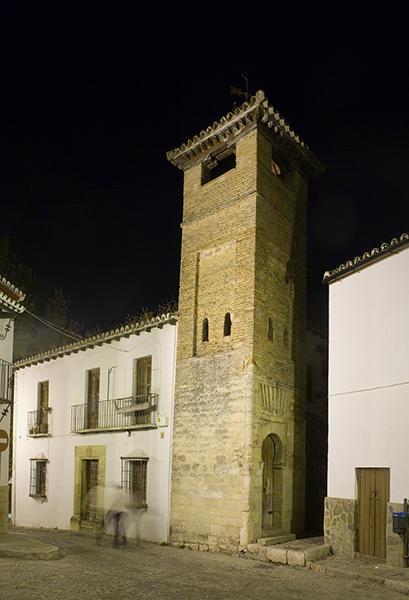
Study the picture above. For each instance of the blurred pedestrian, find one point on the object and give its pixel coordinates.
(118, 515)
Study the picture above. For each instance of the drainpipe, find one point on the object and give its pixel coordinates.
(109, 379)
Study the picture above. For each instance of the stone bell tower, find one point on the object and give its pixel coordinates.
(239, 420)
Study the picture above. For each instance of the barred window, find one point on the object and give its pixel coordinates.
(38, 472)
(133, 480)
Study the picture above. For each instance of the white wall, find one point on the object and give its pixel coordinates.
(369, 375)
(67, 377)
(6, 353)
(6, 345)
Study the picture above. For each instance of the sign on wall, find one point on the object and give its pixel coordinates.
(4, 440)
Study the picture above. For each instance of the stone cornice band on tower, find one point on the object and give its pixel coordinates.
(135, 328)
(242, 120)
(11, 296)
(359, 262)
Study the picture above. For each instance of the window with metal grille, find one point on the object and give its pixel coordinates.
(133, 480)
(38, 472)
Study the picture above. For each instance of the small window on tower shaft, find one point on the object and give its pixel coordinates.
(219, 163)
(285, 336)
(205, 330)
(275, 168)
(270, 330)
(227, 325)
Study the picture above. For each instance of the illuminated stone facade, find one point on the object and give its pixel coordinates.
(240, 375)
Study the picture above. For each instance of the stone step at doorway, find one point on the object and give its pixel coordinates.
(281, 538)
(295, 552)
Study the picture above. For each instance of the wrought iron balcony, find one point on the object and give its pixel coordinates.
(6, 382)
(38, 423)
(134, 412)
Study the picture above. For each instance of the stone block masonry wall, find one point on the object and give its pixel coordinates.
(215, 379)
(241, 234)
(280, 295)
(340, 525)
(4, 508)
(394, 544)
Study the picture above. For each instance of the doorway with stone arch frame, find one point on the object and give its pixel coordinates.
(272, 484)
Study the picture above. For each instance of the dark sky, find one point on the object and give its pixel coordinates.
(92, 203)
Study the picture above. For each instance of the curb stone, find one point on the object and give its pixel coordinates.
(315, 567)
(392, 584)
(397, 586)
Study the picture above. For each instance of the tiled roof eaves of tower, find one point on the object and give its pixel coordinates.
(360, 262)
(242, 120)
(10, 296)
(97, 340)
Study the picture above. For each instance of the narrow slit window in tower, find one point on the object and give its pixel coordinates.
(205, 330)
(227, 325)
(270, 330)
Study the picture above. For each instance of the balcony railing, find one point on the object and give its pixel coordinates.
(6, 381)
(38, 422)
(134, 412)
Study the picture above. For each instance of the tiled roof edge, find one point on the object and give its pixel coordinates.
(98, 340)
(359, 262)
(6, 300)
(257, 107)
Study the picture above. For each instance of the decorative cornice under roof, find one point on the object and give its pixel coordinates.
(243, 119)
(97, 340)
(359, 262)
(11, 296)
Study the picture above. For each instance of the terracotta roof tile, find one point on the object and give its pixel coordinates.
(97, 340)
(10, 296)
(238, 121)
(359, 262)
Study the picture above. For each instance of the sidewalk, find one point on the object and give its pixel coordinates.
(21, 545)
(24, 545)
(316, 556)
(393, 578)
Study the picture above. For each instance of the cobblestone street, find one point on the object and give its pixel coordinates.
(97, 572)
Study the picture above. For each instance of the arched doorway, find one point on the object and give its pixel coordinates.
(271, 454)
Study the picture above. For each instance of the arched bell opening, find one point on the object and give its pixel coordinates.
(272, 493)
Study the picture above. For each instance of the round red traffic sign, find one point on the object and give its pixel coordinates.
(4, 440)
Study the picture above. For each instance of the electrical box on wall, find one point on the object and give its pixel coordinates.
(162, 421)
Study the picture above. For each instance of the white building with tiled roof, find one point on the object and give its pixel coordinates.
(91, 416)
(368, 468)
(11, 299)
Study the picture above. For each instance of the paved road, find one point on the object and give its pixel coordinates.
(90, 572)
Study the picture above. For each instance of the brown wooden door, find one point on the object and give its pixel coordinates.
(92, 398)
(89, 489)
(143, 374)
(373, 498)
(267, 501)
(272, 499)
(43, 396)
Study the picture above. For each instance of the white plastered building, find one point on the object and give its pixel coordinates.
(95, 415)
(11, 299)
(368, 469)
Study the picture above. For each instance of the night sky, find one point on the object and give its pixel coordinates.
(92, 203)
